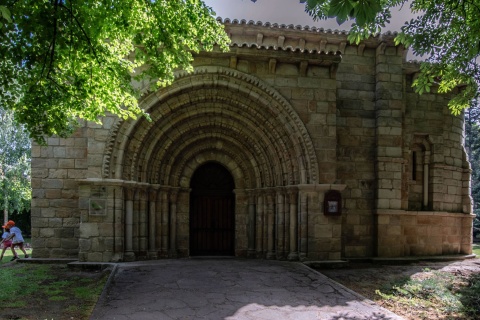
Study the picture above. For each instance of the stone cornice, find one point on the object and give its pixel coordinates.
(295, 38)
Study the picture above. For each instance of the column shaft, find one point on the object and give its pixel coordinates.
(293, 255)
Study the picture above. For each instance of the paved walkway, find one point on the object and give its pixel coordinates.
(230, 289)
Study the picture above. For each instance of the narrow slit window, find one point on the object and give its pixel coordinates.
(414, 165)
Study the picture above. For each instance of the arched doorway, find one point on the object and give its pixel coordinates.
(212, 214)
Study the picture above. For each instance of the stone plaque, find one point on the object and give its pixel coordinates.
(98, 202)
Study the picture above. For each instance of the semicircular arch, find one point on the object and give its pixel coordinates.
(249, 116)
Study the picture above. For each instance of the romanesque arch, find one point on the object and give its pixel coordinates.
(221, 115)
(218, 111)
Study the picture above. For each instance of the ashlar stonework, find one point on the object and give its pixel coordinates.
(240, 154)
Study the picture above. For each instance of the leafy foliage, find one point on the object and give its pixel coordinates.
(63, 60)
(446, 32)
(15, 155)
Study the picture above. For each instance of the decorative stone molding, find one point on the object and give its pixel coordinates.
(278, 105)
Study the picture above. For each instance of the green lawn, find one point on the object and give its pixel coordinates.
(53, 291)
(476, 249)
(8, 254)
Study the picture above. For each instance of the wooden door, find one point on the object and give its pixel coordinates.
(212, 217)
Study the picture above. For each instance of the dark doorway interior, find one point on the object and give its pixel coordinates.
(212, 214)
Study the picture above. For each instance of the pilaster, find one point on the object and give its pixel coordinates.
(389, 113)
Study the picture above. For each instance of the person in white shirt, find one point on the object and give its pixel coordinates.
(16, 237)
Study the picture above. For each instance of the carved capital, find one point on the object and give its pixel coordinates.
(129, 193)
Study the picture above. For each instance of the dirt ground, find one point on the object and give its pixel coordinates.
(366, 278)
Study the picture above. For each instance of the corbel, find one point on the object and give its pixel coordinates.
(333, 70)
(342, 47)
(272, 65)
(381, 48)
(301, 44)
(361, 48)
(303, 68)
(281, 41)
(323, 45)
(233, 62)
(402, 51)
(259, 38)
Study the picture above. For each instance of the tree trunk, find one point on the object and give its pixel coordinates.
(5, 209)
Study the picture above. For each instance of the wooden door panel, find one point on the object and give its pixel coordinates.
(212, 218)
(212, 226)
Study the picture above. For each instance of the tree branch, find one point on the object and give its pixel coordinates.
(52, 50)
(83, 31)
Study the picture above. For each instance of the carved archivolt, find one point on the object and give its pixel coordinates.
(213, 114)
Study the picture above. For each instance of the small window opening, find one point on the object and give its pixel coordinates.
(414, 165)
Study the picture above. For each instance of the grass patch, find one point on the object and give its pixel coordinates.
(435, 292)
(17, 282)
(470, 297)
(35, 291)
(8, 254)
(476, 249)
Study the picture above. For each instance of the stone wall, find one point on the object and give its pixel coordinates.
(56, 168)
(423, 233)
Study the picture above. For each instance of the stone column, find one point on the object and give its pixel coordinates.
(118, 223)
(293, 196)
(165, 214)
(173, 223)
(303, 228)
(259, 225)
(143, 222)
(129, 196)
(152, 222)
(280, 224)
(271, 225)
(251, 224)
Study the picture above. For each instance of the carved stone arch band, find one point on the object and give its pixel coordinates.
(233, 111)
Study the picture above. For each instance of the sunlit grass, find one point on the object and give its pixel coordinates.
(8, 255)
(476, 249)
(451, 295)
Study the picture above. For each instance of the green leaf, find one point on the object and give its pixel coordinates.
(341, 9)
(6, 13)
(365, 11)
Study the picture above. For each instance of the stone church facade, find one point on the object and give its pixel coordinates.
(293, 145)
